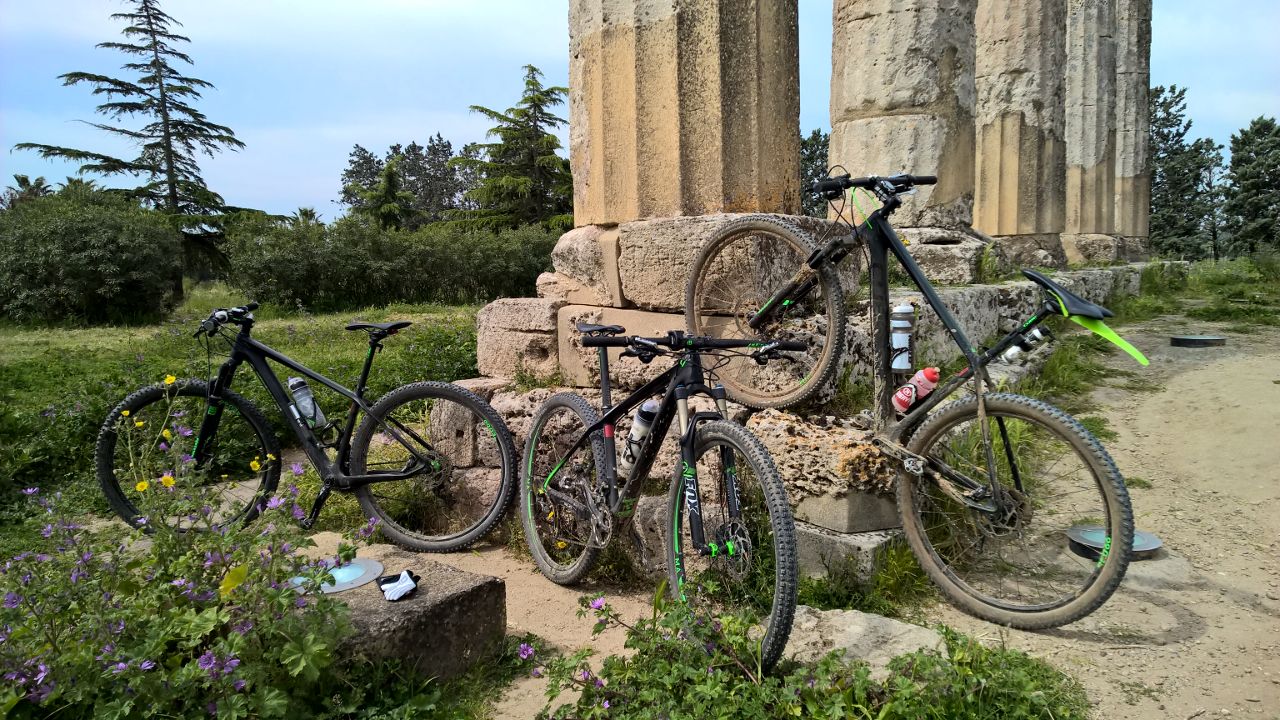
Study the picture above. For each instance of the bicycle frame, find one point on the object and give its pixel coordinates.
(676, 385)
(333, 473)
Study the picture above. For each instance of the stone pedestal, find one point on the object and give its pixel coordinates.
(902, 99)
(683, 107)
(1133, 79)
(1019, 115)
(1091, 117)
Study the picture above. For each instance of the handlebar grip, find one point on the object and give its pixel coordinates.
(251, 307)
(924, 179)
(604, 341)
(792, 345)
(835, 184)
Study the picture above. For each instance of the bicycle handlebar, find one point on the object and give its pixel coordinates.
(222, 316)
(832, 187)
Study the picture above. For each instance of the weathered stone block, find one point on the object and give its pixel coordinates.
(554, 286)
(485, 387)
(854, 511)
(871, 638)
(948, 257)
(451, 622)
(1092, 249)
(517, 335)
(823, 552)
(589, 256)
(820, 456)
(1036, 251)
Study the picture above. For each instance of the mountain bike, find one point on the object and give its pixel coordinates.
(431, 461)
(988, 483)
(731, 544)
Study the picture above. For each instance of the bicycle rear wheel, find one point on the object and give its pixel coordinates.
(145, 467)
(738, 271)
(557, 489)
(463, 460)
(750, 561)
(1016, 566)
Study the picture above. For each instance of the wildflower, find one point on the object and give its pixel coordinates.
(270, 457)
(208, 661)
(300, 602)
(597, 603)
(146, 665)
(536, 672)
(30, 490)
(275, 502)
(77, 574)
(238, 685)
(298, 514)
(185, 431)
(526, 651)
(243, 627)
(164, 446)
(254, 465)
(366, 532)
(166, 433)
(599, 683)
(296, 469)
(142, 521)
(604, 704)
(12, 600)
(47, 531)
(116, 627)
(169, 379)
(124, 413)
(186, 458)
(212, 707)
(142, 486)
(230, 664)
(167, 480)
(140, 423)
(119, 667)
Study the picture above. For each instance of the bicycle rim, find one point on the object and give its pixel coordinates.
(735, 277)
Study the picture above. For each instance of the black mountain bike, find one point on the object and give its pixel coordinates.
(989, 484)
(431, 461)
(731, 544)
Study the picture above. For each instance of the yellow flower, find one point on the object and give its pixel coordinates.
(166, 480)
(142, 486)
(254, 465)
(124, 413)
(561, 545)
(167, 435)
(140, 423)
(551, 514)
(270, 456)
(169, 379)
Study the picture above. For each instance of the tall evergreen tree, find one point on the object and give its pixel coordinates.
(362, 173)
(1253, 206)
(387, 202)
(813, 167)
(175, 131)
(1181, 209)
(523, 179)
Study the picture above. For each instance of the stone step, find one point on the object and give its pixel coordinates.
(452, 621)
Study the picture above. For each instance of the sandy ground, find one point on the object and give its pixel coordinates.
(1192, 633)
(1196, 631)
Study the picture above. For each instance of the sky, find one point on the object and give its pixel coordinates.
(301, 81)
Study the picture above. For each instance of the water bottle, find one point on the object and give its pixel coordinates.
(921, 384)
(1024, 345)
(641, 423)
(305, 402)
(901, 324)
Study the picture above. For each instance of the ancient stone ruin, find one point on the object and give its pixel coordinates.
(685, 114)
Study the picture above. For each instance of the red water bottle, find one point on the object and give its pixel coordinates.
(920, 385)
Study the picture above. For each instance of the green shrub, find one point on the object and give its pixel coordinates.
(84, 256)
(683, 666)
(353, 263)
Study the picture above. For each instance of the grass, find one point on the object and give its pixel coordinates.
(1138, 482)
(1243, 291)
(897, 589)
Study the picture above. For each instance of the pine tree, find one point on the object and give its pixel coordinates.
(813, 167)
(523, 180)
(1253, 205)
(387, 202)
(174, 134)
(362, 173)
(1182, 209)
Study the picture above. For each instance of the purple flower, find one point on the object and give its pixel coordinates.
(604, 704)
(230, 664)
(119, 667)
(536, 672)
(116, 627)
(293, 489)
(77, 575)
(142, 521)
(47, 531)
(178, 413)
(30, 490)
(597, 603)
(184, 431)
(146, 665)
(366, 532)
(599, 683)
(296, 469)
(186, 458)
(180, 582)
(238, 685)
(164, 446)
(298, 513)
(526, 651)
(243, 627)
(207, 661)
(300, 602)
(275, 502)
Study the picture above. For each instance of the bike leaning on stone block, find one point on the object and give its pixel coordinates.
(988, 484)
(431, 461)
(730, 544)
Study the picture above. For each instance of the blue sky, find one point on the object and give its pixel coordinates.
(301, 81)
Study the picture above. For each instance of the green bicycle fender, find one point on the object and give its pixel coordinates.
(1100, 328)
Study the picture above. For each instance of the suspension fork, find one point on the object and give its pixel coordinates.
(689, 471)
(213, 409)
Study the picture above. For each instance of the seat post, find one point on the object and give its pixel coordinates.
(375, 345)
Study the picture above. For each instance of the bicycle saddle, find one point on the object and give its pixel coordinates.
(389, 328)
(1070, 303)
(589, 329)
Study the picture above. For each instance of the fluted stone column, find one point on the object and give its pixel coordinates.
(1133, 79)
(902, 100)
(683, 107)
(1091, 131)
(1021, 158)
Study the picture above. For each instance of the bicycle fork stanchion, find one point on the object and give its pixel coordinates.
(689, 471)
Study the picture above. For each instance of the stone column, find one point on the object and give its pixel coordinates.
(902, 101)
(1133, 79)
(1091, 131)
(1021, 158)
(683, 107)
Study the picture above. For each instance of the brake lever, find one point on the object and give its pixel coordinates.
(643, 356)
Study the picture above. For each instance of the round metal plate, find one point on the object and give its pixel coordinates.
(1087, 541)
(1194, 341)
(360, 571)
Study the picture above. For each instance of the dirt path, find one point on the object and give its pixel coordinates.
(1195, 633)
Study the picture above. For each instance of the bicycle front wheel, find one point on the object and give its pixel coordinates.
(737, 274)
(747, 562)
(460, 461)
(145, 464)
(558, 488)
(1016, 566)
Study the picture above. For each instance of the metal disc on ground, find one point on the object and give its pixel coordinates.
(1195, 341)
(360, 571)
(1088, 540)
